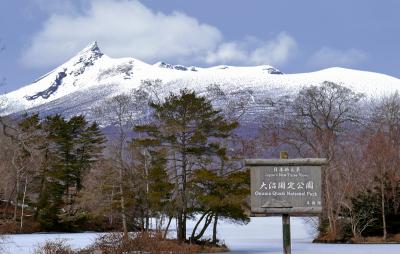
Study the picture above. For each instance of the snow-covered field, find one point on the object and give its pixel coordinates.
(261, 235)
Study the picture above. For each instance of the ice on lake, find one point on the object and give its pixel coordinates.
(261, 235)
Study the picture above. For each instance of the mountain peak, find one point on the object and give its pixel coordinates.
(84, 59)
(92, 49)
(73, 68)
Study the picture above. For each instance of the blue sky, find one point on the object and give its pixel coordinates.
(294, 36)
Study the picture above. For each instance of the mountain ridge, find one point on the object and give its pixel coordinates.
(91, 77)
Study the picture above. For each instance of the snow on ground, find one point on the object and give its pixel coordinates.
(261, 235)
(26, 243)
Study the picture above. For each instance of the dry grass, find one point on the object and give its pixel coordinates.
(116, 243)
(378, 239)
(13, 227)
(58, 246)
(213, 249)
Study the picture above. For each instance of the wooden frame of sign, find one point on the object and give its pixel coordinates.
(285, 186)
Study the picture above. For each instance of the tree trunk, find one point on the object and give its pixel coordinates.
(383, 211)
(184, 200)
(16, 198)
(146, 178)
(41, 193)
(111, 206)
(328, 202)
(122, 202)
(206, 224)
(214, 236)
(197, 225)
(167, 228)
(181, 227)
(9, 201)
(23, 202)
(183, 209)
(142, 220)
(121, 179)
(178, 227)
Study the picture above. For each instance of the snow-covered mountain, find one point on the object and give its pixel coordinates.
(91, 77)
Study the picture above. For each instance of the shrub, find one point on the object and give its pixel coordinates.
(57, 246)
(116, 243)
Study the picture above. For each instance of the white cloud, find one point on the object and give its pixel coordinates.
(228, 52)
(328, 57)
(122, 28)
(126, 28)
(276, 51)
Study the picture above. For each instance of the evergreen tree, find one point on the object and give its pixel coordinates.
(72, 146)
(190, 129)
(159, 189)
(220, 197)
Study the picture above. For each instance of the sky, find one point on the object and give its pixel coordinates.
(293, 36)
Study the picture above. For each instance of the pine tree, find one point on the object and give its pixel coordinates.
(72, 146)
(190, 129)
(220, 197)
(159, 189)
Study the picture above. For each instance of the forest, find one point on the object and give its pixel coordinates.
(170, 159)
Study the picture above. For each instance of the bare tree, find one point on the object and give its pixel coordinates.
(234, 104)
(386, 117)
(315, 124)
(117, 111)
(25, 157)
(382, 153)
(100, 192)
(383, 160)
(122, 112)
(359, 220)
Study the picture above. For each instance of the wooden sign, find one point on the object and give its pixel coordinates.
(286, 186)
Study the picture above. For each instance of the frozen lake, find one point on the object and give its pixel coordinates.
(261, 235)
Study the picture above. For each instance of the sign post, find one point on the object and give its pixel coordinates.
(287, 248)
(286, 187)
